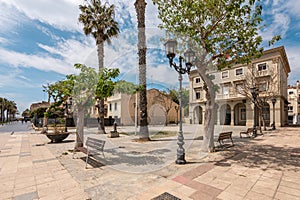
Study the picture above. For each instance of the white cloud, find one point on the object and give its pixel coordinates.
(41, 62)
(10, 18)
(62, 14)
(280, 25)
(293, 7)
(294, 60)
(3, 41)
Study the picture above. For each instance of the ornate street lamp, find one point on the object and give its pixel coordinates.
(254, 93)
(171, 47)
(273, 102)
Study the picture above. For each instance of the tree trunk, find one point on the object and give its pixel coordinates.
(7, 111)
(80, 126)
(140, 6)
(210, 112)
(101, 117)
(45, 121)
(100, 49)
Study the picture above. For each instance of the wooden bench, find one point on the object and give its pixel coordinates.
(225, 136)
(248, 132)
(93, 147)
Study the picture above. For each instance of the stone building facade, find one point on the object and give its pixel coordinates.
(161, 109)
(269, 74)
(294, 104)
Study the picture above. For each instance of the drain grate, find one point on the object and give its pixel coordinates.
(165, 196)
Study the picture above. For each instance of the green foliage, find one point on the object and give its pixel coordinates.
(123, 86)
(98, 20)
(60, 90)
(39, 112)
(220, 28)
(85, 84)
(105, 85)
(185, 99)
(174, 95)
(25, 113)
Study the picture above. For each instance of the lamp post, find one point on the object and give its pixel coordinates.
(273, 102)
(171, 46)
(254, 94)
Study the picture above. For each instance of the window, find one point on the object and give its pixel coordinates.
(239, 71)
(116, 106)
(198, 80)
(225, 90)
(239, 88)
(262, 67)
(110, 107)
(225, 74)
(266, 112)
(290, 108)
(243, 113)
(262, 86)
(291, 92)
(198, 95)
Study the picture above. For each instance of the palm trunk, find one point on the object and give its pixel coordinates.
(7, 111)
(100, 49)
(80, 126)
(140, 6)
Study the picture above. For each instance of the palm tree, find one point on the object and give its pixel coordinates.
(2, 109)
(4, 106)
(140, 6)
(11, 110)
(98, 21)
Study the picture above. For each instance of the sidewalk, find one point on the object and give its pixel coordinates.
(267, 167)
(28, 170)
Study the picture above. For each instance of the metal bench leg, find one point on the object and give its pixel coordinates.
(86, 160)
(232, 141)
(87, 157)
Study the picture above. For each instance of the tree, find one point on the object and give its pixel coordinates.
(184, 100)
(140, 6)
(222, 32)
(83, 96)
(267, 89)
(89, 85)
(98, 21)
(165, 99)
(59, 91)
(4, 103)
(105, 86)
(25, 113)
(123, 86)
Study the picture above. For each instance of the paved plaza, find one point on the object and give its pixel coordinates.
(267, 167)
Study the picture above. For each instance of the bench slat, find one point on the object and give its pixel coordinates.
(224, 136)
(93, 147)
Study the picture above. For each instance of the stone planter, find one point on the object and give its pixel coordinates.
(57, 137)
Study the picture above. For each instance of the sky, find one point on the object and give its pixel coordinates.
(41, 40)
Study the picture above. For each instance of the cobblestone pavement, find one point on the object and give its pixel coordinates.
(266, 167)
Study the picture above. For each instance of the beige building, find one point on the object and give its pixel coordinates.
(294, 104)
(269, 73)
(161, 109)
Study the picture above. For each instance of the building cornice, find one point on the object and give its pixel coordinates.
(265, 56)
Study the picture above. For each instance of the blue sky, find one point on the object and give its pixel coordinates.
(40, 41)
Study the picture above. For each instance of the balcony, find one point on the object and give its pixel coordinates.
(263, 73)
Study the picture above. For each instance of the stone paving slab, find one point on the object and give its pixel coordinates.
(28, 171)
(266, 167)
